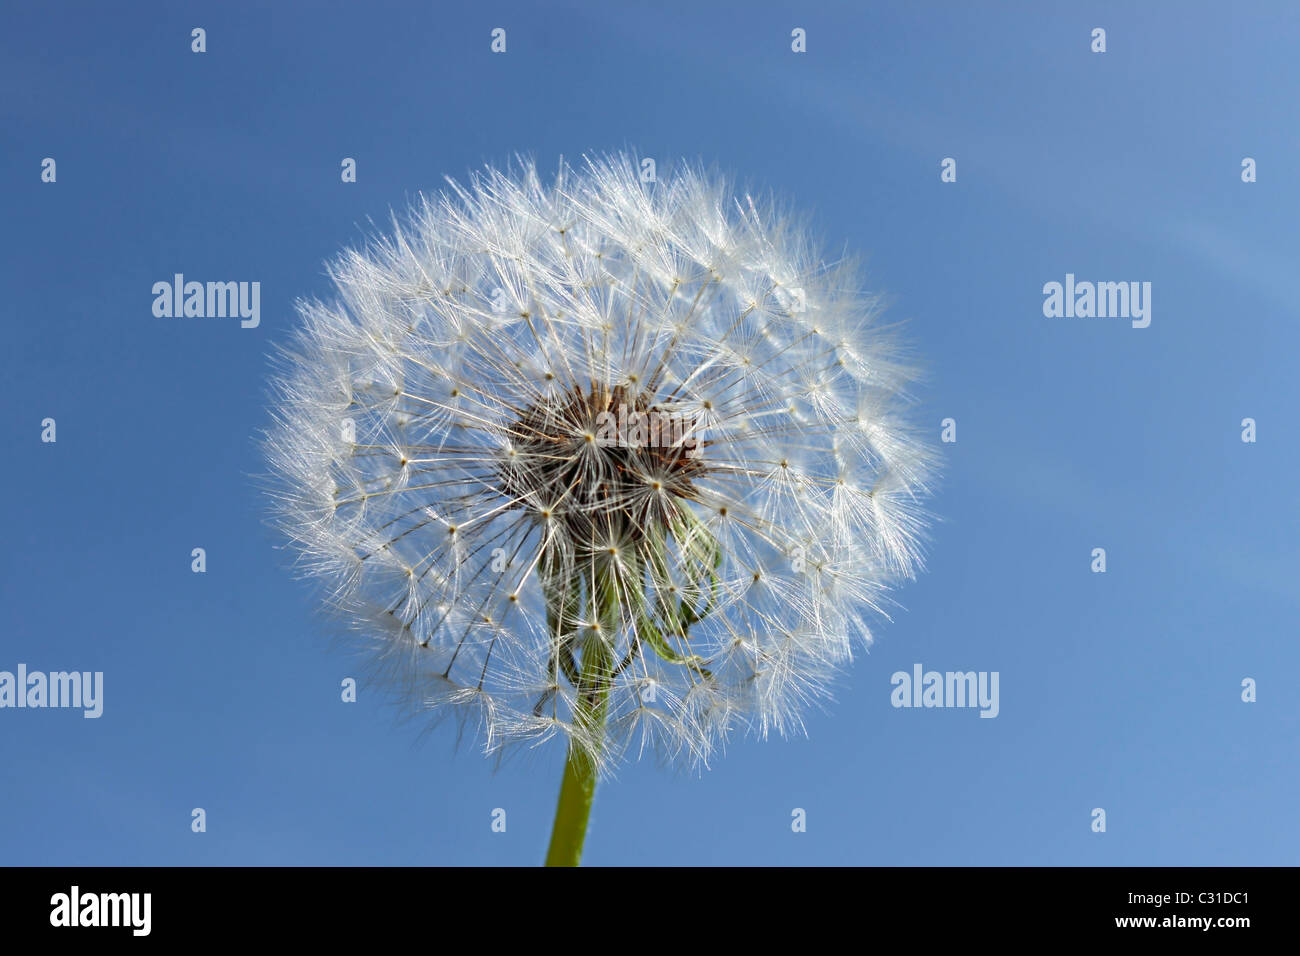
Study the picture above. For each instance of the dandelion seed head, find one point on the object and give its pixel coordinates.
(594, 426)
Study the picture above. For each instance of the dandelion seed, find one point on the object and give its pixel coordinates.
(445, 463)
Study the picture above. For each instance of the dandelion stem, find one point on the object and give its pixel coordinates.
(576, 792)
(578, 786)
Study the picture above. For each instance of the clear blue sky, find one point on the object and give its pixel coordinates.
(1119, 690)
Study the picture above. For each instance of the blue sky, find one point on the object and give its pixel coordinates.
(1119, 690)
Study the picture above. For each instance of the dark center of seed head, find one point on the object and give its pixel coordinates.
(604, 460)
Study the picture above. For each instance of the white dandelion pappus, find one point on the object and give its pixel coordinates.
(465, 452)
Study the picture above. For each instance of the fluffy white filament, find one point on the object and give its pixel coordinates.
(434, 463)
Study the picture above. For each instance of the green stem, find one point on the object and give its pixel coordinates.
(578, 786)
(576, 792)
